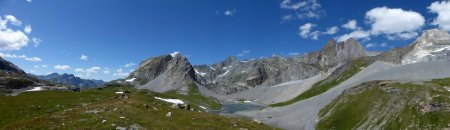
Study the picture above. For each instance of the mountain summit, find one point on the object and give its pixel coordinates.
(70, 79)
(432, 45)
(174, 72)
(163, 73)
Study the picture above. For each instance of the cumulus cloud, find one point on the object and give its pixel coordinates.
(130, 65)
(24, 57)
(331, 31)
(106, 71)
(394, 22)
(301, 9)
(243, 53)
(351, 24)
(357, 34)
(12, 39)
(89, 71)
(13, 20)
(62, 67)
(229, 12)
(36, 41)
(84, 57)
(305, 31)
(27, 29)
(442, 9)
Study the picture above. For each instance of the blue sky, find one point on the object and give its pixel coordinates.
(96, 39)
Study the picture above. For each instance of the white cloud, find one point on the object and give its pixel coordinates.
(120, 73)
(11, 39)
(130, 65)
(24, 57)
(303, 8)
(305, 31)
(332, 30)
(89, 71)
(351, 24)
(394, 21)
(287, 17)
(357, 34)
(376, 45)
(45, 66)
(106, 71)
(243, 53)
(229, 12)
(36, 41)
(79, 70)
(32, 58)
(13, 20)
(29, 1)
(403, 36)
(62, 67)
(442, 8)
(27, 29)
(84, 57)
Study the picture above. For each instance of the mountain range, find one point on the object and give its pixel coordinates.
(175, 72)
(72, 80)
(320, 89)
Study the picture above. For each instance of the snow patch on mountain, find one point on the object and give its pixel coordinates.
(174, 54)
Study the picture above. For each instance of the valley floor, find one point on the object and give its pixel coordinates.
(103, 109)
(304, 114)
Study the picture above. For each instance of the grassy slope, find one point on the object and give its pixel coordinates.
(71, 110)
(195, 97)
(382, 107)
(326, 84)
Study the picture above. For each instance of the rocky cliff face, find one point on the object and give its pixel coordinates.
(231, 75)
(174, 72)
(70, 79)
(163, 73)
(432, 45)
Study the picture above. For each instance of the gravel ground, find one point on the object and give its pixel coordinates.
(303, 114)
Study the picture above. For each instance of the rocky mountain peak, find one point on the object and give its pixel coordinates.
(432, 45)
(230, 60)
(163, 73)
(435, 36)
(330, 45)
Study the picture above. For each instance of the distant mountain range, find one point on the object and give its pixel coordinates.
(174, 71)
(70, 79)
